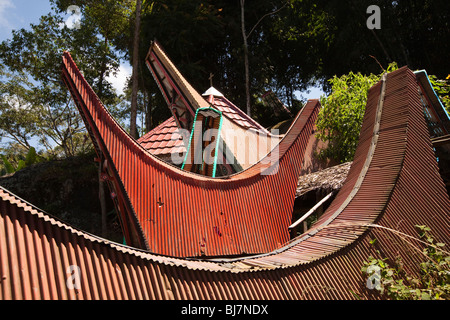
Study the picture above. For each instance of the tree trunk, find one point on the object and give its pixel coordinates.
(134, 92)
(103, 70)
(148, 113)
(247, 72)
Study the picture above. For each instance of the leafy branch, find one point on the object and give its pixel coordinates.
(394, 282)
(30, 158)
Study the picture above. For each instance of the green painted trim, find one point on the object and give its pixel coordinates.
(217, 139)
(217, 146)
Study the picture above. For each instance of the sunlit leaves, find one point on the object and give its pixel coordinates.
(442, 88)
(35, 105)
(340, 118)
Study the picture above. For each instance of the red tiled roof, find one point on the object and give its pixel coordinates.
(164, 139)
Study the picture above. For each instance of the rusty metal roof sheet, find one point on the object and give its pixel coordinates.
(386, 178)
(392, 185)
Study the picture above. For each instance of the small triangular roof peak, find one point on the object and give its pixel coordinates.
(212, 92)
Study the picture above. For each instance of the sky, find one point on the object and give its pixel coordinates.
(17, 14)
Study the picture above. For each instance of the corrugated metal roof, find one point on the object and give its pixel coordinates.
(169, 211)
(181, 98)
(394, 179)
(399, 189)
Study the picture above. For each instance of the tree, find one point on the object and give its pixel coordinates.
(304, 44)
(340, 119)
(18, 118)
(118, 23)
(104, 35)
(245, 37)
(413, 33)
(34, 102)
(38, 105)
(247, 72)
(191, 32)
(213, 43)
(19, 161)
(442, 88)
(108, 20)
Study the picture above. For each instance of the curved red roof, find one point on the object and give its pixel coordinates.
(173, 212)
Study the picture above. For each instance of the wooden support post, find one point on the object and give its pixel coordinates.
(310, 212)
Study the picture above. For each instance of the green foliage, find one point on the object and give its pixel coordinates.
(8, 166)
(442, 88)
(340, 119)
(303, 44)
(35, 106)
(423, 44)
(393, 281)
(18, 118)
(30, 158)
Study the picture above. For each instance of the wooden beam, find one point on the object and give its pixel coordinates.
(310, 212)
